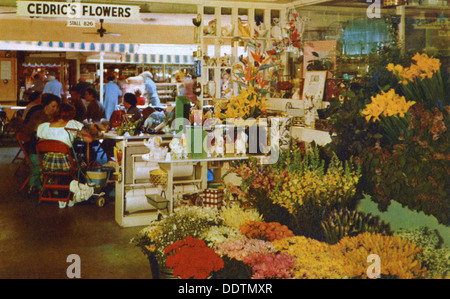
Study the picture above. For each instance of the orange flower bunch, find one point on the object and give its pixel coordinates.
(267, 231)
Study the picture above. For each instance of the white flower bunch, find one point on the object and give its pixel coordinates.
(218, 234)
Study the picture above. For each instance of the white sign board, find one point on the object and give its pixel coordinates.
(80, 23)
(314, 85)
(5, 70)
(77, 10)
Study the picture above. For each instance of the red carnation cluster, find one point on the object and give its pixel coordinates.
(191, 258)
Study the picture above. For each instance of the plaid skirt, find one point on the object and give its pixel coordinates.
(56, 162)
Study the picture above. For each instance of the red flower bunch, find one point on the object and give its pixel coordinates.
(267, 231)
(191, 258)
(270, 265)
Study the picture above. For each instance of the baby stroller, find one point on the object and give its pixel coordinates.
(91, 180)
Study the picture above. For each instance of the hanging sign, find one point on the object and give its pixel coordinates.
(77, 10)
(80, 23)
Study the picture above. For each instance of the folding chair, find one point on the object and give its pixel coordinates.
(56, 184)
(22, 139)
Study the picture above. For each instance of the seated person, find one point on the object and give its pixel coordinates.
(95, 111)
(56, 130)
(50, 105)
(77, 102)
(33, 106)
(130, 102)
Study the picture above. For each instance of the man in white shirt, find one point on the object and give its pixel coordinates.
(53, 86)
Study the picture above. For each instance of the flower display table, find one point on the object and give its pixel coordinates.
(199, 175)
(132, 207)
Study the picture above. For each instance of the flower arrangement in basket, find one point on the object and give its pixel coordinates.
(191, 258)
(187, 221)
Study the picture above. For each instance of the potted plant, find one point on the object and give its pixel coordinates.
(319, 64)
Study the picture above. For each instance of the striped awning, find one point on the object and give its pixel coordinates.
(129, 52)
(158, 58)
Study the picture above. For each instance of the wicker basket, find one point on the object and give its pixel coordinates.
(158, 177)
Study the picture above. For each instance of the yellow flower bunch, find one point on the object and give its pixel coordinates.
(246, 105)
(348, 258)
(398, 256)
(250, 103)
(314, 259)
(387, 104)
(424, 67)
(235, 216)
(313, 186)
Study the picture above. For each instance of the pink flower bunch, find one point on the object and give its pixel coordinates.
(270, 265)
(240, 248)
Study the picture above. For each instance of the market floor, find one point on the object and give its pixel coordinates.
(36, 239)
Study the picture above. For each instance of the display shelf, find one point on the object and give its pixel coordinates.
(131, 149)
(167, 92)
(239, 23)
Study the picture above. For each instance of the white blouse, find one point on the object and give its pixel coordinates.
(44, 131)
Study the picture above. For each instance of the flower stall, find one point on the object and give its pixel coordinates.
(297, 218)
(300, 216)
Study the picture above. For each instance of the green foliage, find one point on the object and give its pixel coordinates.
(378, 78)
(132, 127)
(401, 159)
(415, 171)
(353, 134)
(349, 223)
(319, 64)
(275, 213)
(434, 256)
(300, 189)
